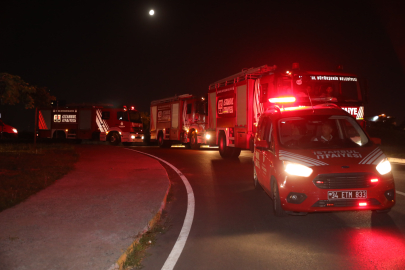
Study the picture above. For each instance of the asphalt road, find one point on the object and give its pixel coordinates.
(234, 227)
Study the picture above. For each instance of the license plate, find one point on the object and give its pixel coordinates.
(350, 194)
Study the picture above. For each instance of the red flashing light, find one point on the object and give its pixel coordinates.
(363, 204)
(125, 108)
(132, 108)
(295, 66)
(374, 180)
(282, 100)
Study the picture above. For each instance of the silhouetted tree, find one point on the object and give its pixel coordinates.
(14, 90)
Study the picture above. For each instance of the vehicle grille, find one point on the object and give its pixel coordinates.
(345, 202)
(343, 180)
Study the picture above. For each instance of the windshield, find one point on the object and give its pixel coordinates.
(327, 88)
(321, 132)
(135, 117)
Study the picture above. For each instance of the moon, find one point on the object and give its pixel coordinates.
(151, 12)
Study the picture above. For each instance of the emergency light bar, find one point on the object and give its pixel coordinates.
(282, 100)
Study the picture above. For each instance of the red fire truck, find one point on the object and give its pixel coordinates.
(178, 119)
(234, 104)
(91, 123)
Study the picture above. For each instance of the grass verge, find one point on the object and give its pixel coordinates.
(138, 250)
(25, 170)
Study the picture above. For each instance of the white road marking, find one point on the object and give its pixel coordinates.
(401, 193)
(188, 220)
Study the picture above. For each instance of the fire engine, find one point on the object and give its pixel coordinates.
(178, 119)
(91, 123)
(235, 103)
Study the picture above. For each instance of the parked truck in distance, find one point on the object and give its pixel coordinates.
(178, 120)
(97, 123)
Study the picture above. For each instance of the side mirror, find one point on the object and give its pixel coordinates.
(262, 145)
(376, 140)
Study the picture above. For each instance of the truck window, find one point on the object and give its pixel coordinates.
(122, 116)
(135, 117)
(350, 91)
(201, 107)
(105, 115)
(284, 86)
(263, 129)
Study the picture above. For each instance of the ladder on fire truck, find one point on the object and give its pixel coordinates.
(251, 73)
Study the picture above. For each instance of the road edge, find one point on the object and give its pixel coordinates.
(118, 264)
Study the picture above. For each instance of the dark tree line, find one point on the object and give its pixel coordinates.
(14, 90)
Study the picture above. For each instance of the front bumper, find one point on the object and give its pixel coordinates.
(132, 137)
(300, 194)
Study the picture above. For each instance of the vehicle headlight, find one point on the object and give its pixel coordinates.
(384, 166)
(297, 169)
(15, 130)
(132, 137)
(143, 137)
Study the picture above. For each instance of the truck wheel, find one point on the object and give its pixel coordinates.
(224, 150)
(255, 180)
(163, 143)
(278, 211)
(194, 141)
(114, 138)
(183, 137)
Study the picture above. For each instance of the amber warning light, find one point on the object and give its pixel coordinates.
(282, 100)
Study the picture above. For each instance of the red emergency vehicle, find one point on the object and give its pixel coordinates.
(91, 123)
(319, 159)
(178, 119)
(236, 102)
(7, 131)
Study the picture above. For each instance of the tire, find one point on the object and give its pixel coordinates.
(163, 143)
(114, 138)
(194, 141)
(277, 209)
(255, 180)
(184, 135)
(224, 150)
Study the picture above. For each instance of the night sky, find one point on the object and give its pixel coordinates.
(113, 52)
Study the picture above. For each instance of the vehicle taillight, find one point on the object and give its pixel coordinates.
(363, 204)
(374, 180)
